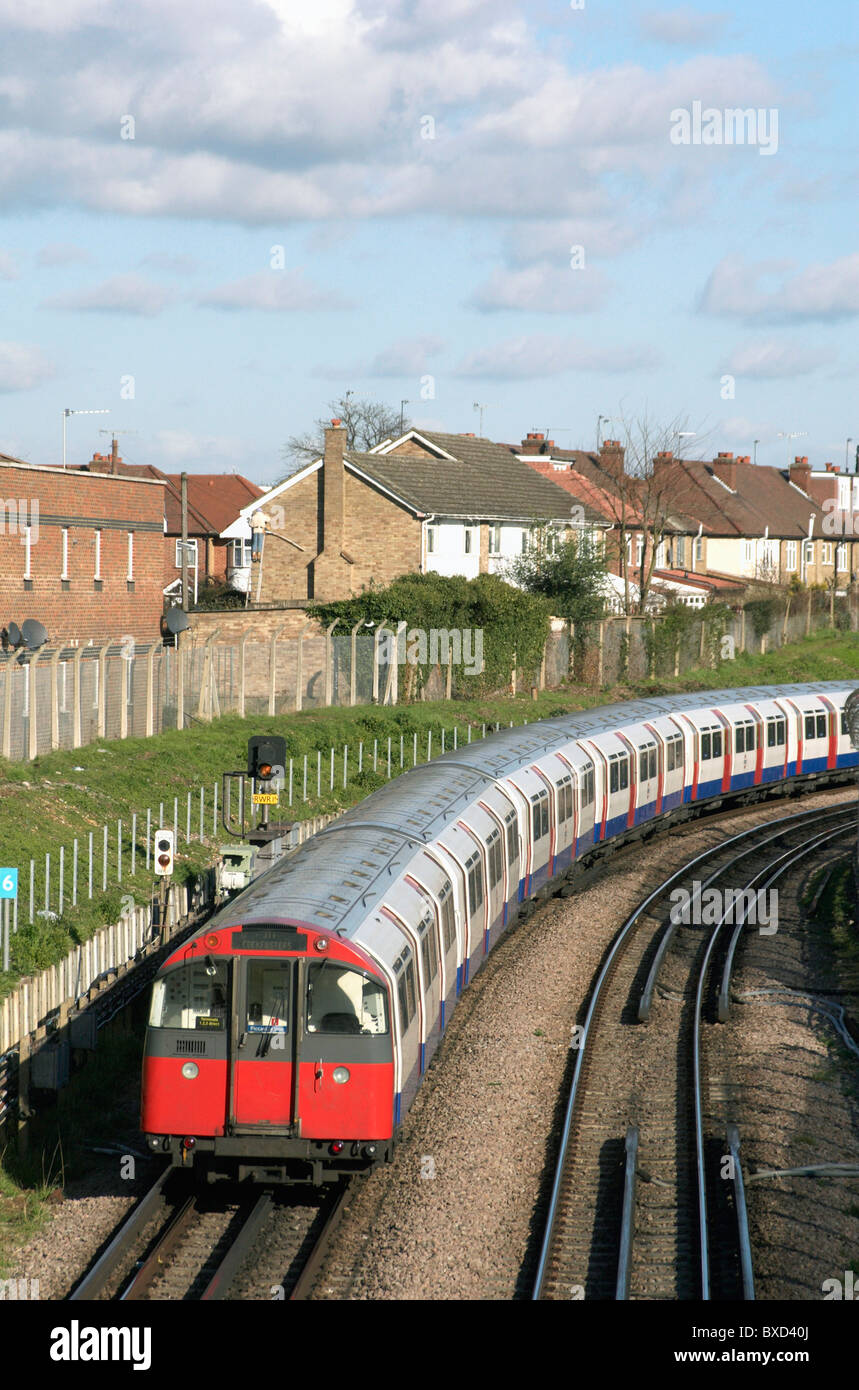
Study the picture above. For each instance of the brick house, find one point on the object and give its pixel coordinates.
(762, 523)
(214, 500)
(83, 555)
(426, 502)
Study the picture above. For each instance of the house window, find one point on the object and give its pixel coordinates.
(660, 555)
(97, 562)
(65, 570)
(240, 553)
(191, 553)
(495, 540)
(808, 552)
(525, 539)
(431, 539)
(680, 552)
(699, 548)
(639, 549)
(748, 552)
(790, 561)
(130, 574)
(469, 538)
(826, 556)
(844, 494)
(28, 541)
(841, 557)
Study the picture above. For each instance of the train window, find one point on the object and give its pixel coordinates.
(448, 920)
(776, 732)
(540, 815)
(717, 743)
(844, 728)
(745, 737)
(512, 839)
(404, 1002)
(411, 993)
(343, 1000)
(705, 747)
(496, 866)
(821, 726)
(268, 991)
(618, 772)
(613, 776)
(475, 885)
(674, 752)
(587, 776)
(429, 955)
(565, 799)
(192, 996)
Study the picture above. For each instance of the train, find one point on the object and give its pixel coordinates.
(287, 1038)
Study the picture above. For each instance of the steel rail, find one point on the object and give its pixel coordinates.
(313, 1263)
(627, 1223)
(646, 1001)
(745, 1241)
(146, 1272)
(219, 1285)
(147, 1208)
(617, 945)
(791, 856)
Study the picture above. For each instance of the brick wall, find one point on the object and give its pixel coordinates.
(78, 609)
(381, 538)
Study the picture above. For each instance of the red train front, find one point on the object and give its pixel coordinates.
(269, 1056)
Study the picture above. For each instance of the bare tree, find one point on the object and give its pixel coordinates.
(644, 496)
(367, 423)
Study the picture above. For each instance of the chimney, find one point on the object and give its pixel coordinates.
(800, 473)
(333, 489)
(832, 468)
(725, 468)
(612, 456)
(531, 444)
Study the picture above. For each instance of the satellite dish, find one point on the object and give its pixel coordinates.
(33, 634)
(177, 620)
(851, 717)
(14, 633)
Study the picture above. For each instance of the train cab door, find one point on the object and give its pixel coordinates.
(262, 1090)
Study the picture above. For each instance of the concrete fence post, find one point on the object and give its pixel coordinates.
(299, 667)
(353, 662)
(8, 675)
(55, 699)
(32, 667)
(272, 670)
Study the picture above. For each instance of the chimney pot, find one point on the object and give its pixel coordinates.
(336, 423)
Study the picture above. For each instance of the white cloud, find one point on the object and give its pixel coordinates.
(170, 262)
(823, 291)
(543, 289)
(23, 367)
(770, 359)
(684, 26)
(8, 268)
(540, 355)
(122, 294)
(408, 357)
(274, 291)
(182, 448)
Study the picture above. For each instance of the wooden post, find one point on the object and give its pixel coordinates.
(808, 615)
(601, 655)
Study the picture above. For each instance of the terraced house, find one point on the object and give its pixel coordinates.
(426, 502)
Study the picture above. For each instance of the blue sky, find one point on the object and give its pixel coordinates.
(263, 124)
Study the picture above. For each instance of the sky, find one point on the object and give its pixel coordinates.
(219, 216)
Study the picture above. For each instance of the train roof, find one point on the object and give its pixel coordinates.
(335, 879)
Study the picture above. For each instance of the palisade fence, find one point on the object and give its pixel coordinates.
(68, 697)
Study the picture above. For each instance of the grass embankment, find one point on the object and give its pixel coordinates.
(49, 802)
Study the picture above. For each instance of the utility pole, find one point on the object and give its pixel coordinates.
(185, 542)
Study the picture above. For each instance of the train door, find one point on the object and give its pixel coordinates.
(263, 1070)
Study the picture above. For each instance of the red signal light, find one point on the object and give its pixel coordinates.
(337, 1146)
(265, 769)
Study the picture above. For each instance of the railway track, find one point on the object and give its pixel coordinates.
(187, 1243)
(648, 1199)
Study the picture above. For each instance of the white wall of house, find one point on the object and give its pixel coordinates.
(505, 544)
(451, 547)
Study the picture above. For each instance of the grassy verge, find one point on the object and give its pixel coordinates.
(49, 802)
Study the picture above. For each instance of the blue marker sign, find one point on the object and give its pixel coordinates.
(8, 883)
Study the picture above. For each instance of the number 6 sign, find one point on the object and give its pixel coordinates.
(8, 883)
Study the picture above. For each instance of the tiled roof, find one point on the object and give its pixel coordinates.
(763, 498)
(214, 499)
(481, 480)
(701, 581)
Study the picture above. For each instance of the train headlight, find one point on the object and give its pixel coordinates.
(190, 1070)
(341, 1074)
(321, 943)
